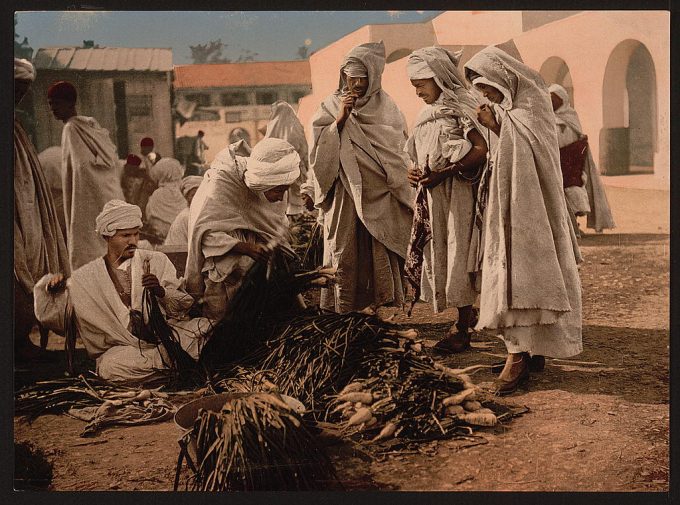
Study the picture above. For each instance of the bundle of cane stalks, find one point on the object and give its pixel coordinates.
(307, 240)
(257, 443)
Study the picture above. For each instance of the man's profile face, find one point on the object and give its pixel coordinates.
(146, 150)
(60, 108)
(357, 86)
(275, 194)
(123, 244)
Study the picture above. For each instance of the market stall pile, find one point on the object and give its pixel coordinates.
(257, 442)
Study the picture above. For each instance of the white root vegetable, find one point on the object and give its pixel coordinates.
(417, 347)
(144, 394)
(472, 406)
(454, 410)
(362, 415)
(341, 407)
(365, 398)
(387, 431)
(352, 387)
(458, 398)
(478, 419)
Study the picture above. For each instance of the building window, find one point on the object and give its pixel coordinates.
(138, 105)
(235, 98)
(239, 134)
(297, 95)
(233, 117)
(205, 115)
(265, 97)
(202, 99)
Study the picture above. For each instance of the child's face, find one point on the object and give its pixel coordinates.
(427, 90)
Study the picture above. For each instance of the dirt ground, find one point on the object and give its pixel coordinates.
(597, 422)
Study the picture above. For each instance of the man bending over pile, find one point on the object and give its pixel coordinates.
(106, 295)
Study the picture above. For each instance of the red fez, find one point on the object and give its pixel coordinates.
(63, 90)
(146, 142)
(133, 159)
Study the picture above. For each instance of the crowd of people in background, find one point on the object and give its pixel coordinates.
(473, 207)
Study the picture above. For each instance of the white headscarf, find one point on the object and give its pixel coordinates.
(354, 68)
(566, 113)
(24, 70)
(189, 183)
(417, 68)
(167, 170)
(273, 162)
(117, 215)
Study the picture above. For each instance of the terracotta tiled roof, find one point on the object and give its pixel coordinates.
(104, 59)
(256, 73)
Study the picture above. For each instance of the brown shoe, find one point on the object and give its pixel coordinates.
(515, 372)
(455, 342)
(536, 364)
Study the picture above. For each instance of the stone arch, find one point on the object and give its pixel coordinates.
(628, 139)
(556, 71)
(398, 54)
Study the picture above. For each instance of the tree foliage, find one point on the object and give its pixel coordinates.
(213, 52)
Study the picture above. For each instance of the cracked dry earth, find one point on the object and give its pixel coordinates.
(597, 422)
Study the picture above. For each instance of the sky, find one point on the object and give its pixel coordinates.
(272, 35)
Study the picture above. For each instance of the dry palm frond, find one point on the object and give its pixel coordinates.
(257, 443)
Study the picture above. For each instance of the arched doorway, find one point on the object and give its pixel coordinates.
(556, 71)
(628, 139)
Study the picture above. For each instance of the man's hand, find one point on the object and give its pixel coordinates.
(150, 282)
(308, 202)
(258, 252)
(434, 178)
(346, 107)
(56, 284)
(414, 175)
(486, 118)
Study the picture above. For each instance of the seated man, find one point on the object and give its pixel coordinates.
(106, 296)
(234, 216)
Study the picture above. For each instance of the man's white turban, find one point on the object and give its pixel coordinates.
(118, 215)
(417, 68)
(273, 162)
(189, 183)
(24, 70)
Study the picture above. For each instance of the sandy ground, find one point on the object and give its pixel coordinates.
(597, 422)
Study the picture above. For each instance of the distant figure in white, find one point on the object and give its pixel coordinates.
(583, 187)
(90, 174)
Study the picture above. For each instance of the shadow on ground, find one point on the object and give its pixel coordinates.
(620, 239)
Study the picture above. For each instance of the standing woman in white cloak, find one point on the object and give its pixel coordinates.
(360, 170)
(448, 143)
(166, 202)
(589, 197)
(530, 289)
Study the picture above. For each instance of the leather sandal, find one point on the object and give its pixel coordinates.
(536, 364)
(514, 373)
(454, 343)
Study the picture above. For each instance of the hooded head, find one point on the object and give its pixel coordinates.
(273, 164)
(370, 56)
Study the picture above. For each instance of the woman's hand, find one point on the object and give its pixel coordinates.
(150, 282)
(486, 117)
(258, 252)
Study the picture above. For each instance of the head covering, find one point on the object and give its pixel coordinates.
(24, 70)
(417, 68)
(63, 90)
(134, 160)
(566, 113)
(442, 65)
(284, 124)
(372, 57)
(354, 68)
(146, 142)
(273, 162)
(166, 171)
(118, 215)
(189, 183)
